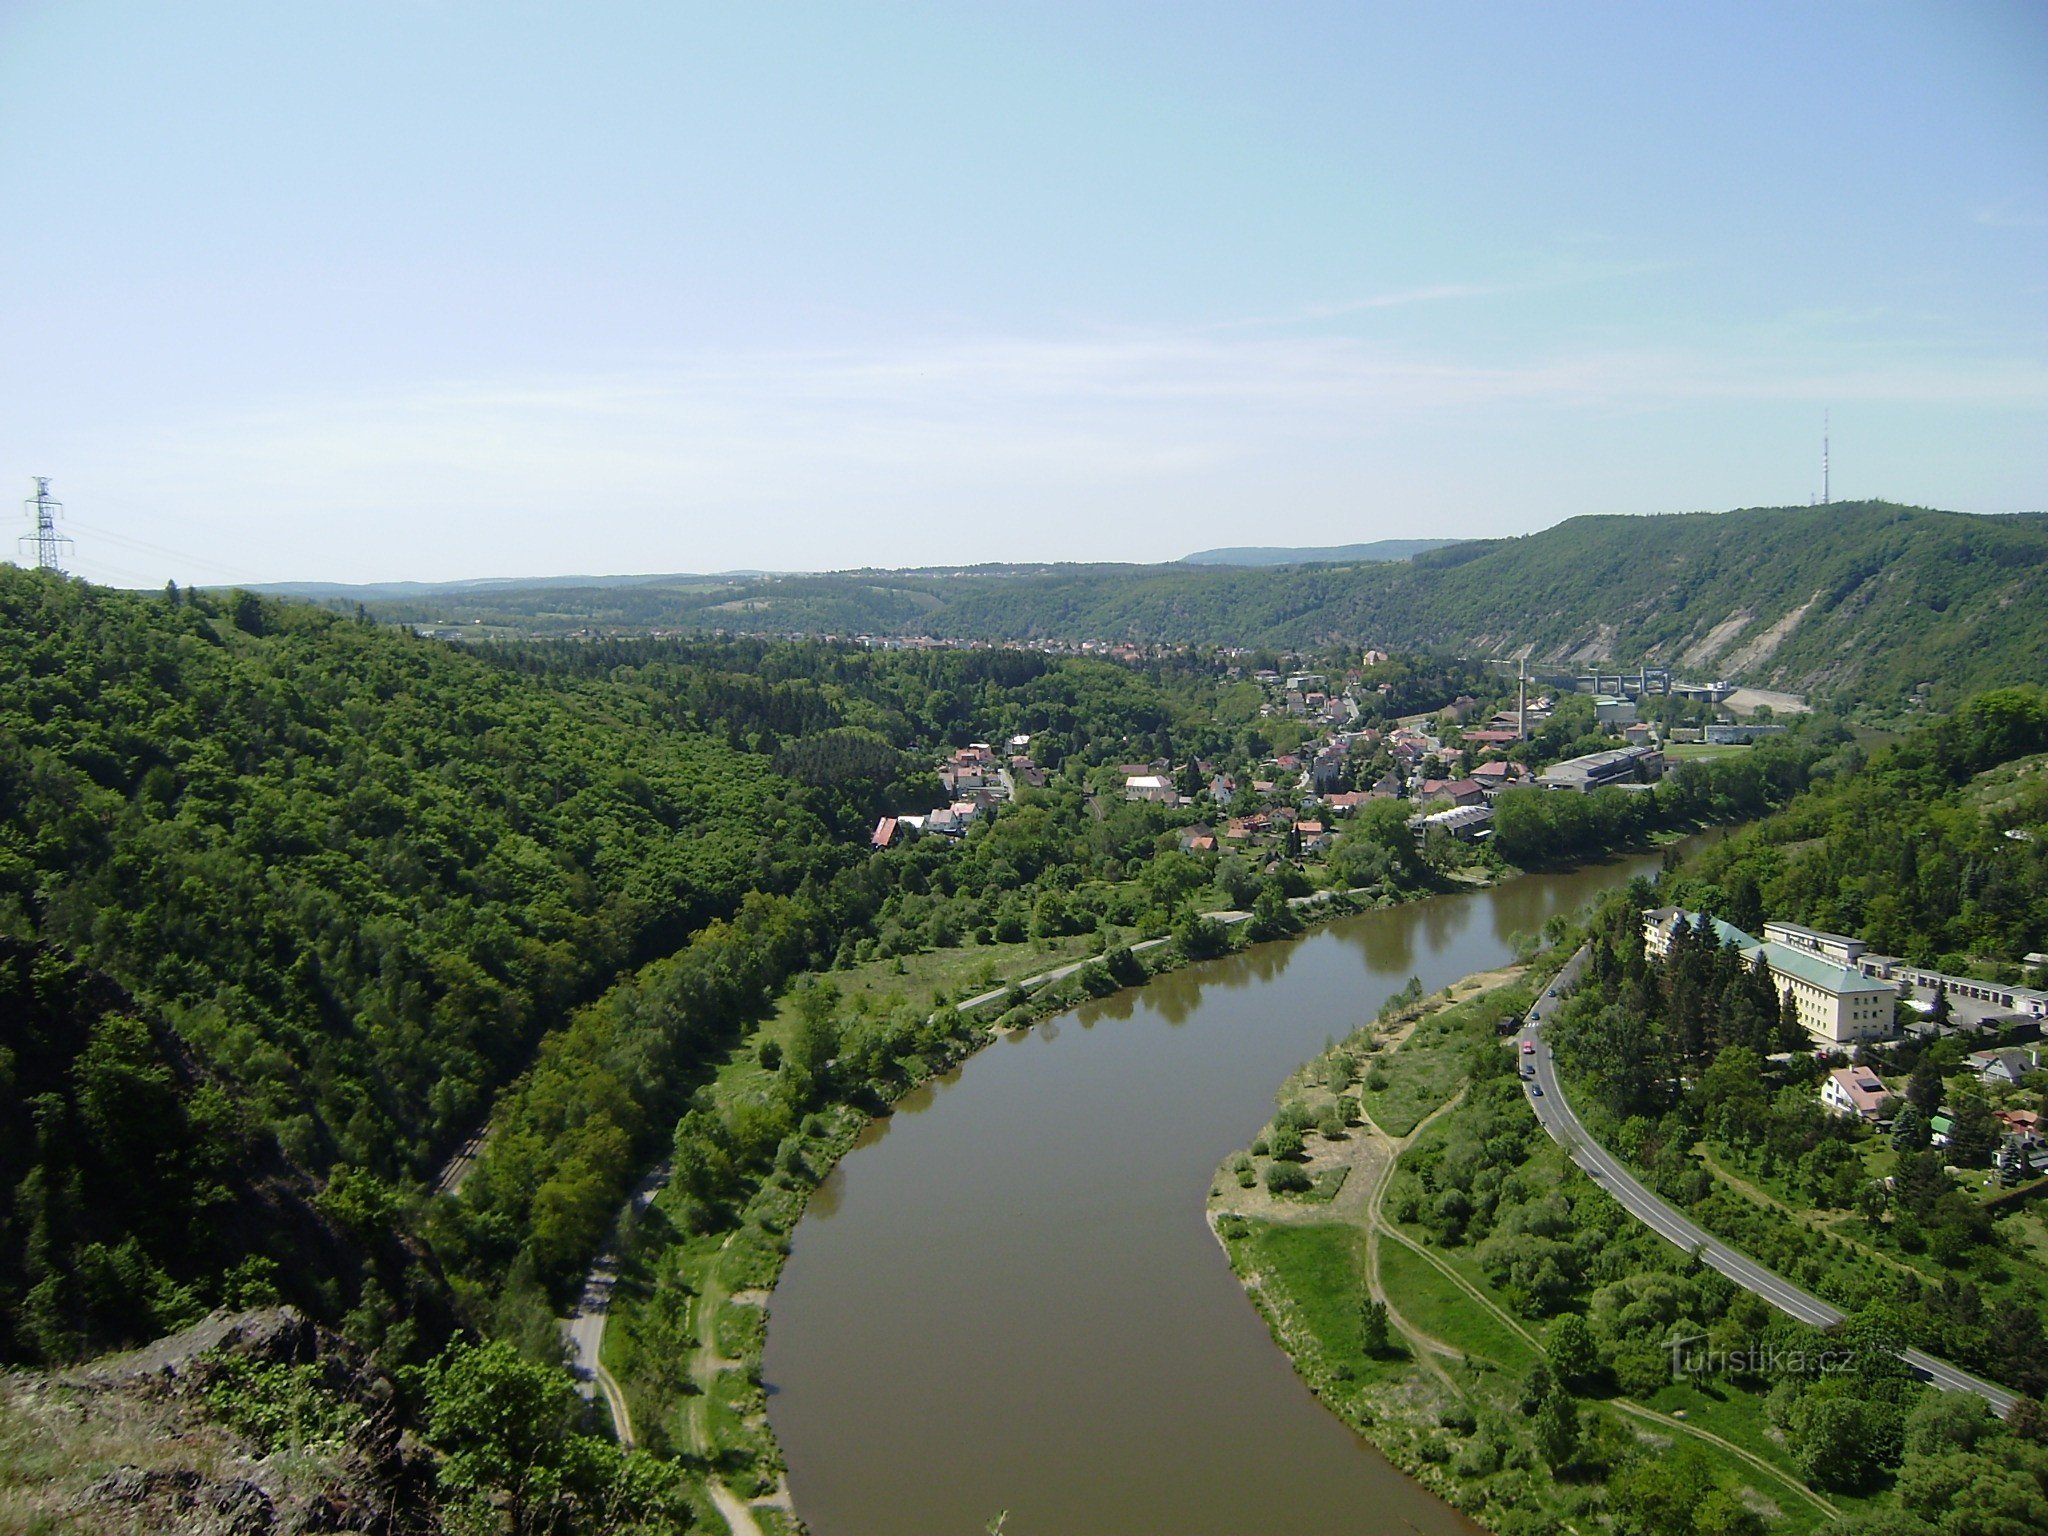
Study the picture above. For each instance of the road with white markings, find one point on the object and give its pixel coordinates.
(1554, 1112)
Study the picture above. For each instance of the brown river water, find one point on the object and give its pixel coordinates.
(1006, 1297)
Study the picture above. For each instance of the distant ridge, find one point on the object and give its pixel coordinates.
(383, 590)
(1381, 549)
(1862, 601)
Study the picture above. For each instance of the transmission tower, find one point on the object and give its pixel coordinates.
(50, 544)
(1825, 498)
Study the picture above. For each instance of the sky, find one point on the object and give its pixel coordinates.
(386, 291)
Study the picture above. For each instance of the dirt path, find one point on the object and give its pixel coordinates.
(1426, 1345)
(706, 1366)
(1372, 1156)
(1510, 1321)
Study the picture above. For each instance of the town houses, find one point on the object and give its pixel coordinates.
(1335, 744)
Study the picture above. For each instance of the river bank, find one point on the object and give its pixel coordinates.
(688, 1348)
(1400, 1304)
(711, 1408)
(1012, 1278)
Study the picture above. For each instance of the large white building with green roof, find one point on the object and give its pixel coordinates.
(1837, 1004)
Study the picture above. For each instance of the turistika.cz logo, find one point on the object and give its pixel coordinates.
(1692, 1355)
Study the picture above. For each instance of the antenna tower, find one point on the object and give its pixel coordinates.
(49, 543)
(1825, 498)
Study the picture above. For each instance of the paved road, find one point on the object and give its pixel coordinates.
(1556, 1117)
(1061, 973)
(583, 1329)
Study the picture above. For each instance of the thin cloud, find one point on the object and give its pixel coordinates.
(2015, 212)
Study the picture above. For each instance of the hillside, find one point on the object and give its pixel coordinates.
(1859, 601)
(1259, 554)
(361, 871)
(135, 1190)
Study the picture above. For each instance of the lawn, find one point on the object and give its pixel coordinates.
(1433, 1303)
(1318, 1268)
(1680, 751)
(1430, 1064)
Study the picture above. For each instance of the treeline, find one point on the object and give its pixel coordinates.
(1889, 599)
(571, 1136)
(361, 872)
(1909, 855)
(1535, 827)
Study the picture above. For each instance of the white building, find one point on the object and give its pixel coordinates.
(1854, 1091)
(1151, 786)
(1836, 1004)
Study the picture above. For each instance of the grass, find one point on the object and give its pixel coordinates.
(1680, 751)
(1319, 1269)
(1430, 1064)
(1738, 1417)
(1432, 1302)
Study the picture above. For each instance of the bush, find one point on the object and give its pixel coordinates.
(1288, 1179)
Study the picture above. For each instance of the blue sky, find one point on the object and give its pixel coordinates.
(431, 290)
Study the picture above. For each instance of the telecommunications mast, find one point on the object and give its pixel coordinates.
(1824, 497)
(49, 543)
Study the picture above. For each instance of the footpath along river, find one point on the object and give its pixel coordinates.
(1006, 1296)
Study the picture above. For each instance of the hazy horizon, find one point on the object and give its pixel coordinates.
(390, 292)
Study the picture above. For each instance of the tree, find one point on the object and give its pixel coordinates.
(1720, 1513)
(1909, 1130)
(501, 1424)
(1556, 1430)
(1200, 938)
(1979, 1495)
(1792, 1035)
(1732, 1098)
(1574, 1353)
(1840, 1438)
(1924, 1087)
(1973, 1130)
(1949, 1421)
(1942, 1010)
(1658, 1495)
(1272, 918)
(1375, 1337)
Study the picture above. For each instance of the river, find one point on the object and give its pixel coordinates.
(1006, 1296)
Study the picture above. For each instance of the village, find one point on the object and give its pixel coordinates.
(1450, 765)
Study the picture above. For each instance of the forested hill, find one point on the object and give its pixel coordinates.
(1865, 600)
(1263, 554)
(361, 872)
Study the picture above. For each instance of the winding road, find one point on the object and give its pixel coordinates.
(1554, 1112)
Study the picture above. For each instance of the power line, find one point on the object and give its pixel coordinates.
(49, 543)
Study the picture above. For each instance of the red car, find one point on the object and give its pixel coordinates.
(1528, 1047)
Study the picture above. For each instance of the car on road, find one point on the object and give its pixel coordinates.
(1536, 1090)
(1528, 1047)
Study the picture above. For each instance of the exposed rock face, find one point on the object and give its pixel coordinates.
(136, 1442)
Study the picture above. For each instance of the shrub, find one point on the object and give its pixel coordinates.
(1287, 1179)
